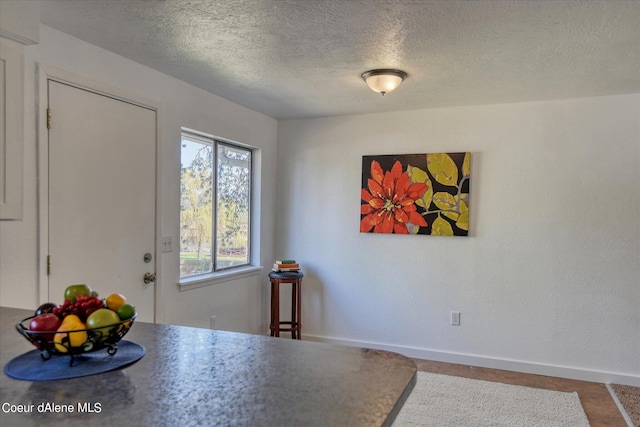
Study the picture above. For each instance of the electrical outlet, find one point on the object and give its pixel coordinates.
(212, 322)
(167, 244)
(455, 318)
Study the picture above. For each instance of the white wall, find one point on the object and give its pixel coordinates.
(549, 279)
(238, 304)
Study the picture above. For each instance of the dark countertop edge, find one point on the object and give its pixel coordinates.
(401, 401)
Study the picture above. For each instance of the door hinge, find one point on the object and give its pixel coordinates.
(48, 265)
(48, 118)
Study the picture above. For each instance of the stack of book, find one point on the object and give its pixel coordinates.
(286, 265)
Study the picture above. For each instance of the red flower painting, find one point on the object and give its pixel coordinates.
(390, 201)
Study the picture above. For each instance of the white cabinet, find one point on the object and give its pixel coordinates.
(11, 144)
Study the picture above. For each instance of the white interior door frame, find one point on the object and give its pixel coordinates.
(46, 73)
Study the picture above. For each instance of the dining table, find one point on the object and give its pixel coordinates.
(191, 376)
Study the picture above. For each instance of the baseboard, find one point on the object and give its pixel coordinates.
(491, 362)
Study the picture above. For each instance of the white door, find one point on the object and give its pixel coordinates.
(102, 195)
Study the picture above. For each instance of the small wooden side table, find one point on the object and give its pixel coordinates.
(295, 324)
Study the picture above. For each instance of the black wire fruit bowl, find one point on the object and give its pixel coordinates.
(76, 342)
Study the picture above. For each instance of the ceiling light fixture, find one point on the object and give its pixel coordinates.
(384, 80)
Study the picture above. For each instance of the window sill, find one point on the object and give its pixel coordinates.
(218, 277)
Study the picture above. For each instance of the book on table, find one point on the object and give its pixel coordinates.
(290, 265)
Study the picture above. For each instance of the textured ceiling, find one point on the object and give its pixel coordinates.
(303, 58)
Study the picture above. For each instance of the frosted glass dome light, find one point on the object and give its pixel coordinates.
(384, 80)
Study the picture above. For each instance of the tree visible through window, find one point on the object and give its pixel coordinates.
(215, 204)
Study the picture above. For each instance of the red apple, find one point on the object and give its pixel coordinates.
(47, 322)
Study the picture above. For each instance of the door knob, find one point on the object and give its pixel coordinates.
(149, 277)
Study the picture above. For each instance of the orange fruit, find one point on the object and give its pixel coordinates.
(115, 301)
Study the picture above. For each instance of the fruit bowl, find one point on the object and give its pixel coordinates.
(96, 339)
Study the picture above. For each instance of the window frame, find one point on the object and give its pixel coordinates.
(220, 274)
(219, 142)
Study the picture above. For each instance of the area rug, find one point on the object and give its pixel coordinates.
(442, 400)
(629, 398)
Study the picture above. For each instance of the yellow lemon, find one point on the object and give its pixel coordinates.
(115, 301)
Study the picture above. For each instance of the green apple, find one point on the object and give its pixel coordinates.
(101, 321)
(73, 291)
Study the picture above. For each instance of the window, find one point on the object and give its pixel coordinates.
(215, 205)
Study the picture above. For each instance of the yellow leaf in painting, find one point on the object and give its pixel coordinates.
(418, 175)
(447, 203)
(466, 164)
(451, 215)
(441, 227)
(426, 199)
(412, 228)
(442, 168)
(463, 221)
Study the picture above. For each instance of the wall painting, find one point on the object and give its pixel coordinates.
(416, 194)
